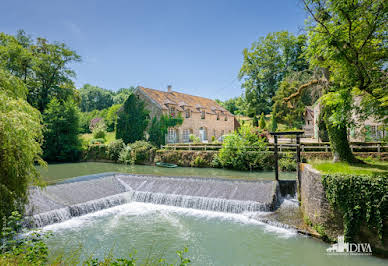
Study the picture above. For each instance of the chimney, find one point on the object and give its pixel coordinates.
(169, 88)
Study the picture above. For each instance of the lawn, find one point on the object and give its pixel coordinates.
(86, 138)
(369, 167)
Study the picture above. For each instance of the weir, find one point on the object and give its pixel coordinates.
(79, 196)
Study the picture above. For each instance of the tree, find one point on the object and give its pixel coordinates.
(122, 94)
(347, 39)
(262, 123)
(291, 112)
(111, 117)
(95, 98)
(274, 123)
(20, 140)
(42, 66)
(61, 120)
(266, 64)
(236, 106)
(132, 120)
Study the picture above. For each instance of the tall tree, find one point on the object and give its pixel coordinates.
(266, 64)
(132, 120)
(20, 144)
(95, 98)
(42, 66)
(61, 120)
(347, 39)
(122, 94)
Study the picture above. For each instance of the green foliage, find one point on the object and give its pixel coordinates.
(42, 66)
(158, 129)
(274, 123)
(236, 151)
(360, 198)
(114, 148)
(99, 130)
(139, 152)
(262, 123)
(199, 162)
(194, 139)
(368, 167)
(236, 106)
(132, 120)
(213, 138)
(61, 120)
(347, 40)
(287, 162)
(111, 117)
(20, 141)
(27, 249)
(94, 98)
(266, 64)
(292, 112)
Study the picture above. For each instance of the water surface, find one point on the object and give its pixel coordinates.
(213, 238)
(57, 172)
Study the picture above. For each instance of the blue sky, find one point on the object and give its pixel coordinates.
(196, 46)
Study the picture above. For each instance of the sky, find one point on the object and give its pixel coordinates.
(195, 46)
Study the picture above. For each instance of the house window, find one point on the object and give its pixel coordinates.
(226, 118)
(187, 112)
(171, 137)
(172, 111)
(203, 114)
(218, 116)
(222, 132)
(186, 135)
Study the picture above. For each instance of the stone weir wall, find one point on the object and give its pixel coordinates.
(317, 211)
(88, 194)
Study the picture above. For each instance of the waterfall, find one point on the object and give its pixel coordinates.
(61, 202)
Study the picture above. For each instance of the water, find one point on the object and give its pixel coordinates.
(213, 238)
(57, 172)
(60, 202)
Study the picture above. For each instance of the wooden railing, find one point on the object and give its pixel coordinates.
(282, 147)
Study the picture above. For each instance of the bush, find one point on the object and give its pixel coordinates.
(287, 163)
(194, 139)
(199, 162)
(139, 152)
(114, 148)
(243, 150)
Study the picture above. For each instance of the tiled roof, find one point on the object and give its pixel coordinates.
(179, 99)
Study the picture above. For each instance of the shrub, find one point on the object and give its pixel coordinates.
(287, 163)
(139, 152)
(114, 148)
(194, 139)
(243, 150)
(213, 139)
(199, 162)
(262, 123)
(99, 132)
(126, 155)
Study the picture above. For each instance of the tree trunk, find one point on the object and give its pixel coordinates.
(339, 143)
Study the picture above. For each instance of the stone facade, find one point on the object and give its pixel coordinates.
(202, 117)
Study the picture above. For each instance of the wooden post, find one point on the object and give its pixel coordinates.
(298, 157)
(276, 157)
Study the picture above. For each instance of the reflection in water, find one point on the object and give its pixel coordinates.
(55, 172)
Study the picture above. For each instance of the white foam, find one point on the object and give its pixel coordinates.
(139, 208)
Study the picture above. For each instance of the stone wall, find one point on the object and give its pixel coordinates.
(316, 210)
(314, 204)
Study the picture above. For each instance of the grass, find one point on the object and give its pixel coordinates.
(369, 167)
(86, 138)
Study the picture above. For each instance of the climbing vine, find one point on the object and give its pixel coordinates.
(360, 198)
(159, 127)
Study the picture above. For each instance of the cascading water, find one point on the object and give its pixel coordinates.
(60, 202)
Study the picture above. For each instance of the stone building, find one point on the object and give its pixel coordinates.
(202, 117)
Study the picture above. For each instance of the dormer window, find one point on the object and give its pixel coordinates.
(203, 114)
(226, 118)
(218, 116)
(187, 113)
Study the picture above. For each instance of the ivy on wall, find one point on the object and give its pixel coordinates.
(159, 127)
(360, 198)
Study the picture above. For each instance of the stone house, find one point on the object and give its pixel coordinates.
(369, 129)
(202, 117)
